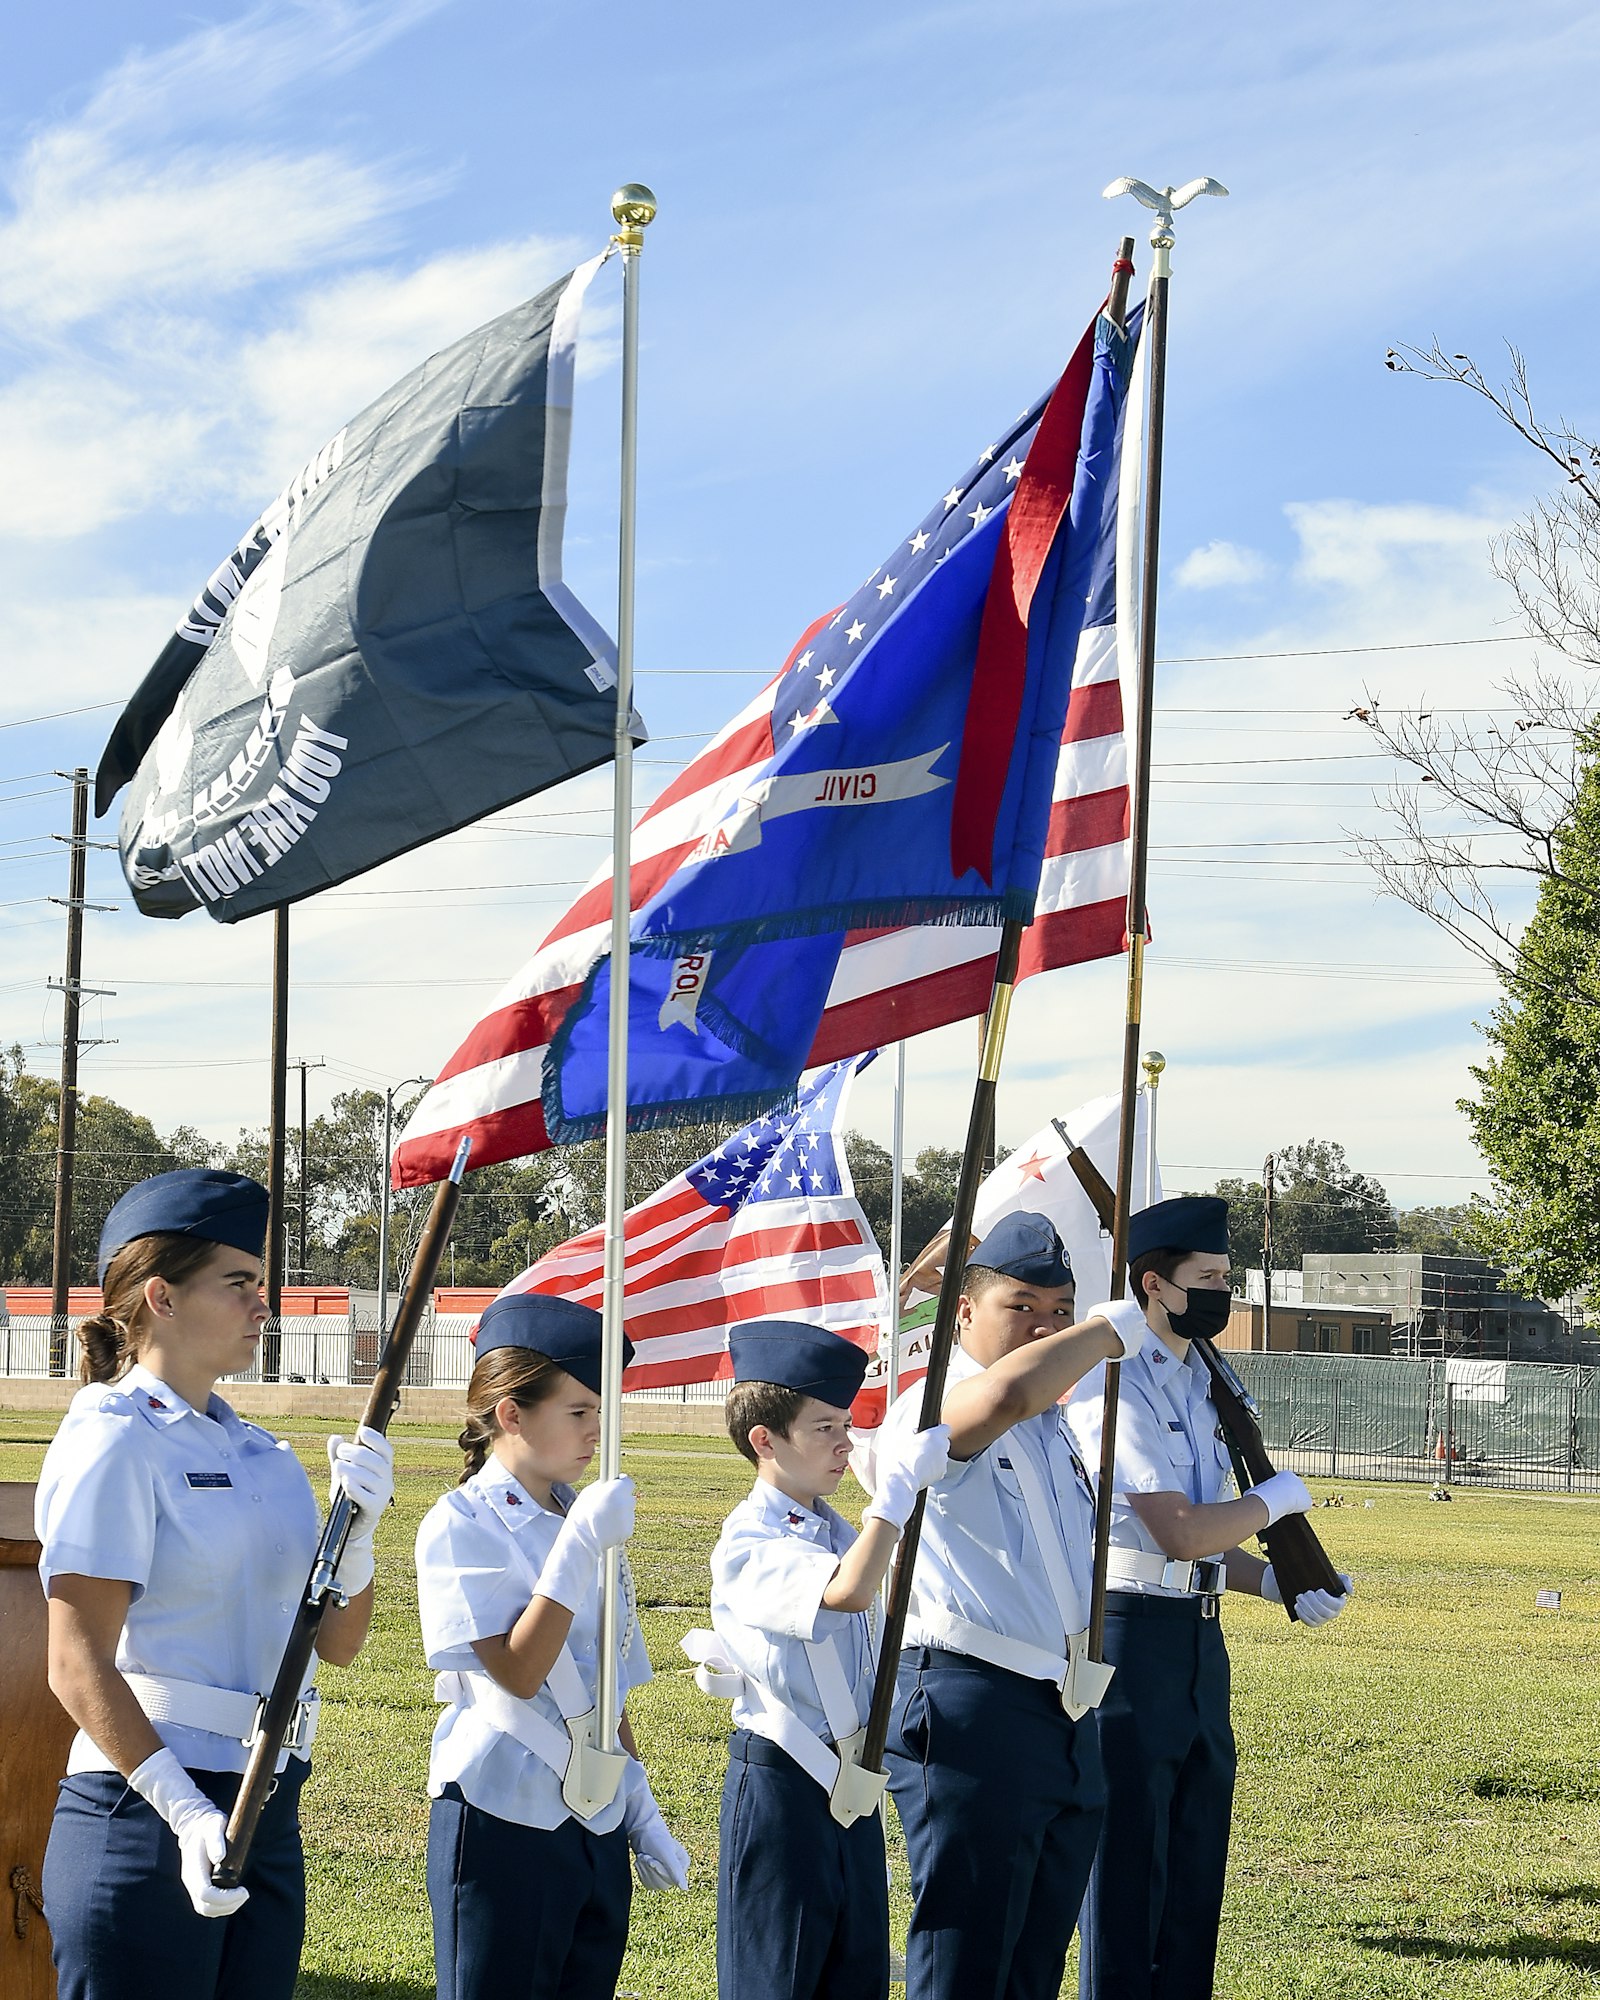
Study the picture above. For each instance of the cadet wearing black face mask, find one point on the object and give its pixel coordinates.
(1149, 1925)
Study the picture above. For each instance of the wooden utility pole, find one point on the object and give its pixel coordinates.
(1267, 1172)
(72, 990)
(305, 1203)
(272, 1340)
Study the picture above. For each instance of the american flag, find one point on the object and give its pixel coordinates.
(767, 1225)
(890, 983)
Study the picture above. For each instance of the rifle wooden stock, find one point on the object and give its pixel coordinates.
(278, 1708)
(1298, 1559)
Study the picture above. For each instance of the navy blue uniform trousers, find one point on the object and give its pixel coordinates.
(1000, 1793)
(802, 1902)
(1149, 1925)
(525, 1912)
(121, 1922)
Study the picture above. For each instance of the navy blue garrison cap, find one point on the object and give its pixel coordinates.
(568, 1333)
(194, 1201)
(799, 1356)
(1186, 1222)
(1025, 1246)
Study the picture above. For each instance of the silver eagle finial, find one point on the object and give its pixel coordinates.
(1165, 201)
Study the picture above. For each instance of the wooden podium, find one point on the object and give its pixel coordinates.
(35, 1734)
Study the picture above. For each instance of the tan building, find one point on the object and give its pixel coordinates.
(1315, 1329)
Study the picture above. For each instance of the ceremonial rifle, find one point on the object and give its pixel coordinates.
(276, 1711)
(1298, 1559)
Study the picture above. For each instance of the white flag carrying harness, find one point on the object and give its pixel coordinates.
(1082, 1682)
(589, 1775)
(853, 1791)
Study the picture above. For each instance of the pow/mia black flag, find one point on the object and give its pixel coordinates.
(388, 654)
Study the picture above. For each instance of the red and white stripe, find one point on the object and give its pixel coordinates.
(889, 984)
(693, 1269)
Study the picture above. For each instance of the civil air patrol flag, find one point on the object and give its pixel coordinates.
(389, 653)
(915, 740)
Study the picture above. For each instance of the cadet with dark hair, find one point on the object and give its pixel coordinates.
(176, 1541)
(993, 1755)
(1149, 1926)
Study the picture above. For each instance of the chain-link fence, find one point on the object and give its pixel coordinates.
(337, 1349)
(1496, 1423)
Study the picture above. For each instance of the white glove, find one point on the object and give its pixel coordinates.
(201, 1827)
(1127, 1322)
(659, 1860)
(1311, 1607)
(363, 1468)
(906, 1462)
(1284, 1493)
(601, 1518)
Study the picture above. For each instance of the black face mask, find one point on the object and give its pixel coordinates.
(1204, 1315)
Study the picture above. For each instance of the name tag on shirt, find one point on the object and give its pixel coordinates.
(203, 1481)
(1172, 1425)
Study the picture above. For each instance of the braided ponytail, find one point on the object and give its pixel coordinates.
(521, 1373)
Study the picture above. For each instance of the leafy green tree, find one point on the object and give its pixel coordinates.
(927, 1192)
(1320, 1203)
(1437, 1232)
(1536, 1117)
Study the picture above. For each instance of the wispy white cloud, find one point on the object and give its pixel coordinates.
(1357, 546)
(192, 314)
(1222, 566)
(158, 193)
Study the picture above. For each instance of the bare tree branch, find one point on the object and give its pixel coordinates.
(1492, 802)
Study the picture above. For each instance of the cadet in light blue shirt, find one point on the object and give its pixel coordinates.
(1150, 1918)
(802, 1899)
(177, 1540)
(993, 1754)
(532, 1819)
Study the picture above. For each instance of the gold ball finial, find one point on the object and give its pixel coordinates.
(633, 206)
(1153, 1065)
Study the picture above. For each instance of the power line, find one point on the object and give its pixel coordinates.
(56, 714)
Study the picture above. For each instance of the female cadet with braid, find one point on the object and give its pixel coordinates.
(176, 1543)
(528, 1834)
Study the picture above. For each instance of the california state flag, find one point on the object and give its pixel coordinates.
(1038, 1176)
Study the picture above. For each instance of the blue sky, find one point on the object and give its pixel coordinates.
(880, 232)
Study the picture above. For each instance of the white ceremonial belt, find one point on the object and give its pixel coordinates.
(589, 1775)
(1202, 1579)
(220, 1711)
(853, 1791)
(1080, 1681)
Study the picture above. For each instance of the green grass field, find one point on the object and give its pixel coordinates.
(1419, 1785)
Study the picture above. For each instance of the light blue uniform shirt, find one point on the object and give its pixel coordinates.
(1168, 1441)
(479, 1552)
(772, 1562)
(213, 1522)
(979, 1556)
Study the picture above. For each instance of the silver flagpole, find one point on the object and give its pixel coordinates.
(633, 207)
(896, 1244)
(1165, 202)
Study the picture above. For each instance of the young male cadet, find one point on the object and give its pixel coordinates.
(1149, 1923)
(802, 1896)
(993, 1754)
